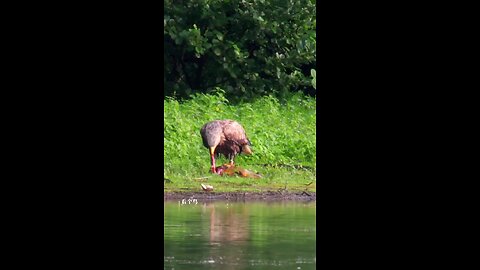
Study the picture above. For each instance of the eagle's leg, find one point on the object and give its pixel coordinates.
(231, 157)
(212, 159)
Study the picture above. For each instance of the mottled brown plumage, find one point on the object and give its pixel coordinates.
(226, 137)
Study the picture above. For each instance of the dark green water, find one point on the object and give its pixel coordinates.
(245, 235)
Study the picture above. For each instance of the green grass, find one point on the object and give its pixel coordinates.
(282, 134)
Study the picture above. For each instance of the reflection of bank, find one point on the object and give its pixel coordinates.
(229, 233)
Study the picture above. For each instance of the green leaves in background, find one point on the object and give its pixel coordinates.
(249, 48)
(314, 78)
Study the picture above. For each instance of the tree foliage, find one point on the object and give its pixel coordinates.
(247, 48)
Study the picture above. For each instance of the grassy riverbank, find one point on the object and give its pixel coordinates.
(282, 135)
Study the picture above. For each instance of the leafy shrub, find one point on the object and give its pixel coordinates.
(246, 48)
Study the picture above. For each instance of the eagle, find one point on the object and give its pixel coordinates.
(226, 137)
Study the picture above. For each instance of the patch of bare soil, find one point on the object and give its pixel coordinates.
(242, 196)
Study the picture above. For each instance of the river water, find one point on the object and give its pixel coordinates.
(239, 235)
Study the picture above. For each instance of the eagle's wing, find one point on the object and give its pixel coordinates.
(233, 131)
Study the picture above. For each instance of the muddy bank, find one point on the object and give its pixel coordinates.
(242, 196)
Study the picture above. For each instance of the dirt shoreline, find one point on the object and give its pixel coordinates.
(242, 196)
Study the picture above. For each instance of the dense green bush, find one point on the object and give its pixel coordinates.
(249, 48)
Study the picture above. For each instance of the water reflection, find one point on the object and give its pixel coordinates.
(226, 225)
(222, 235)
